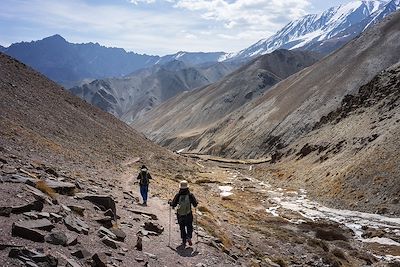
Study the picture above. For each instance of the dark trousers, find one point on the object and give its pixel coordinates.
(186, 226)
(144, 189)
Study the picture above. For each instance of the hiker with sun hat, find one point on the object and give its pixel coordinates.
(184, 199)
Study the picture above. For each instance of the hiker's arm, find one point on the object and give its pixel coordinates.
(174, 202)
(149, 176)
(138, 177)
(193, 200)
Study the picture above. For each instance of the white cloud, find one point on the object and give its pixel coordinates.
(142, 1)
(150, 26)
(251, 14)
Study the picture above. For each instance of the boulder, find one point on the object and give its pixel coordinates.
(104, 202)
(151, 216)
(35, 205)
(36, 192)
(63, 188)
(109, 213)
(121, 235)
(72, 240)
(106, 232)
(105, 221)
(110, 242)
(150, 255)
(77, 209)
(139, 243)
(19, 179)
(72, 263)
(55, 217)
(81, 253)
(153, 227)
(57, 238)
(5, 211)
(41, 224)
(27, 233)
(76, 224)
(51, 171)
(30, 256)
(99, 260)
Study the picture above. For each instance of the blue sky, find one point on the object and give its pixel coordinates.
(153, 26)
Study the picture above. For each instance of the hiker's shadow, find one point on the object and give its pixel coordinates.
(186, 251)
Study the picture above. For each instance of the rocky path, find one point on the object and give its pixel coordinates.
(48, 218)
(166, 248)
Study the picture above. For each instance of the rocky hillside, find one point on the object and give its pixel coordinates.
(66, 180)
(179, 121)
(130, 96)
(68, 198)
(291, 108)
(41, 119)
(350, 157)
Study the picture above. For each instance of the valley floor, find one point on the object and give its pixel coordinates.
(243, 220)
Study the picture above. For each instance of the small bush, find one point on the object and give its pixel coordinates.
(42, 186)
(339, 253)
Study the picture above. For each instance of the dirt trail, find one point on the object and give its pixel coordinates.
(200, 254)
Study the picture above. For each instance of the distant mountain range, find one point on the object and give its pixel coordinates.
(130, 96)
(324, 32)
(203, 121)
(69, 64)
(182, 119)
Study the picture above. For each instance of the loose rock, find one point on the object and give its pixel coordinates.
(121, 235)
(26, 255)
(105, 221)
(57, 238)
(5, 211)
(153, 227)
(75, 224)
(81, 253)
(110, 242)
(99, 260)
(35, 205)
(72, 263)
(102, 232)
(77, 209)
(102, 201)
(30, 234)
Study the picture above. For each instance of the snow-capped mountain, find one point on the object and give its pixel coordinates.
(324, 32)
(193, 58)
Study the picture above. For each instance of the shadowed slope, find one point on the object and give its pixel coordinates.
(183, 118)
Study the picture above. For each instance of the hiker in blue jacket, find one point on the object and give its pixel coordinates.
(185, 200)
(144, 180)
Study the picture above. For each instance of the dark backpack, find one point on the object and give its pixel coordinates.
(184, 205)
(144, 178)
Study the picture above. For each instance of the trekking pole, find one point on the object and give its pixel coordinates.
(169, 227)
(196, 228)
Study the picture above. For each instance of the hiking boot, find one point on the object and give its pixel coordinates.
(145, 203)
(190, 242)
(183, 242)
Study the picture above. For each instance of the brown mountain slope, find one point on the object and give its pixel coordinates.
(351, 158)
(39, 118)
(180, 120)
(292, 107)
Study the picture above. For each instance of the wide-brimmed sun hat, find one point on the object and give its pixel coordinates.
(183, 184)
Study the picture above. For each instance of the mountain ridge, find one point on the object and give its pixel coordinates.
(70, 63)
(196, 109)
(317, 32)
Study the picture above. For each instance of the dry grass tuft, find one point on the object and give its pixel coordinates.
(209, 224)
(42, 186)
(204, 209)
